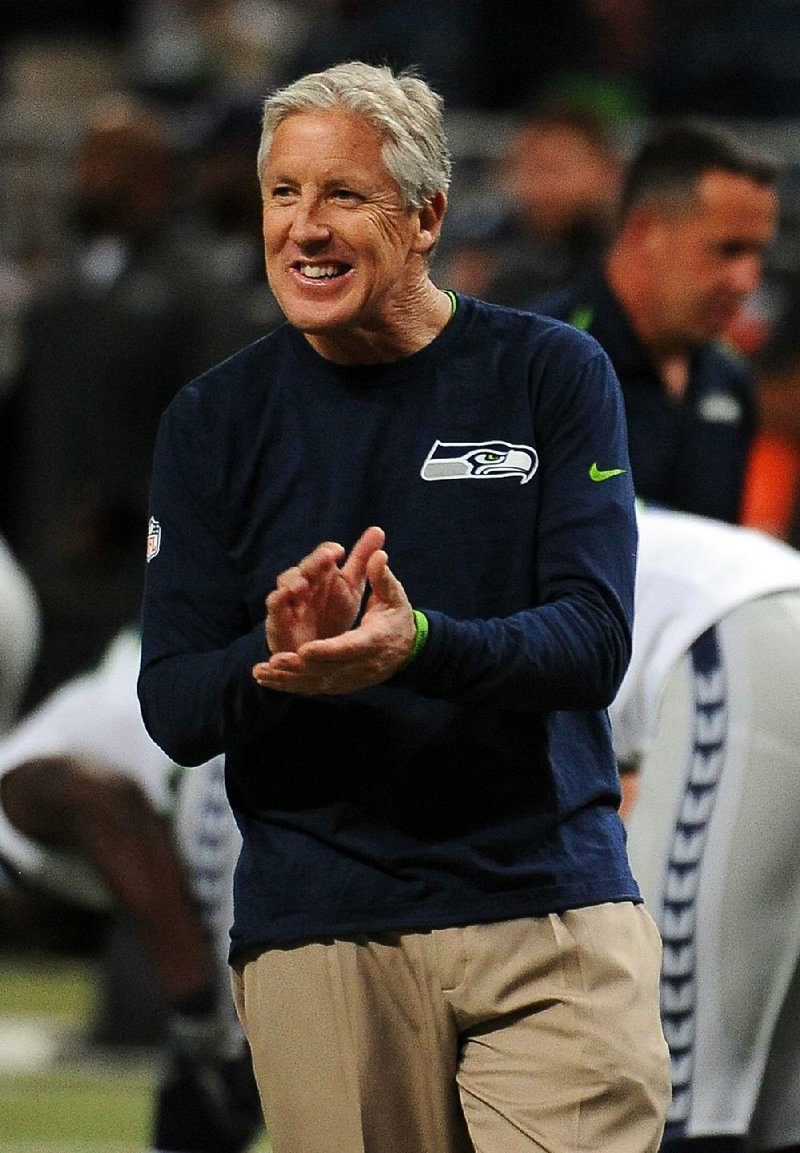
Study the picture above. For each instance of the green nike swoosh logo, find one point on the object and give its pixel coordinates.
(596, 473)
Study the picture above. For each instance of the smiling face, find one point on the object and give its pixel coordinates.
(345, 261)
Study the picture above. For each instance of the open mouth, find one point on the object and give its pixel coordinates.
(329, 271)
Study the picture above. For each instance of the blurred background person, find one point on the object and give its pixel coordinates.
(93, 814)
(188, 51)
(772, 493)
(20, 629)
(698, 213)
(707, 732)
(223, 231)
(107, 341)
(558, 182)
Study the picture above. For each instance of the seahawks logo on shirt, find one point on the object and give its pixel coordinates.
(484, 460)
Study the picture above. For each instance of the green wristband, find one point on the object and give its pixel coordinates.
(421, 623)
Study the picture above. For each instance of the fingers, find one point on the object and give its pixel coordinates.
(324, 558)
(386, 588)
(295, 582)
(288, 673)
(355, 658)
(321, 596)
(355, 567)
(324, 673)
(328, 555)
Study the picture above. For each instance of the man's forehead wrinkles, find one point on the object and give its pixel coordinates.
(324, 169)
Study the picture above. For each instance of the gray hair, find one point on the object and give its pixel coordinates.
(407, 112)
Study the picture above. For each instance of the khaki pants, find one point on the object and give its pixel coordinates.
(525, 1035)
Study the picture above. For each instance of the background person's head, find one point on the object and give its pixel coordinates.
(562, 172)
(697, 212)
(123, 170)
(227, 188)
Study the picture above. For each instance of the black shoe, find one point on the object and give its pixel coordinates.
(207, 1107)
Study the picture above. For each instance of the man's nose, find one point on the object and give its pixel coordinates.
(745, 273)
(309, 225)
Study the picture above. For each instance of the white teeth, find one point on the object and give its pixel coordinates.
(320, 271)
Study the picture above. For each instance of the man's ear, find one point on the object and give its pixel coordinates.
(650, 229)
(430, 217)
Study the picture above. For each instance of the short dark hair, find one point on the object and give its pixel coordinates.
(677, 153)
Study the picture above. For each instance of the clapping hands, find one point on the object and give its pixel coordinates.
(311, 614)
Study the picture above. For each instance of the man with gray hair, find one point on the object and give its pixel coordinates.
(438, 942)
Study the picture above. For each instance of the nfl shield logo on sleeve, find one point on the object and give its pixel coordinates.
(153, 538)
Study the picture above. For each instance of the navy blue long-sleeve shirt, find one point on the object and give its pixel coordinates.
(479, 783)
(688, 453)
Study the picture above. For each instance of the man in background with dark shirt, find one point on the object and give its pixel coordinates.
(697, 213)
(108, 340)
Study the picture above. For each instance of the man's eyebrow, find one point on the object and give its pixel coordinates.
(737, 247)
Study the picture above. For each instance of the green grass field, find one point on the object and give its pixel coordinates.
(58, 1095)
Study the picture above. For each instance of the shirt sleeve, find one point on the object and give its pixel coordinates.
(570, 649)
(195, 683)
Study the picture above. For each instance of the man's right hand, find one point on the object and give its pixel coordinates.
(356, 658)
(320, 597)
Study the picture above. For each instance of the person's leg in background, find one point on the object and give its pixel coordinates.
(104, 820)
(712, 840)
(207, 1101)
(776, 1122)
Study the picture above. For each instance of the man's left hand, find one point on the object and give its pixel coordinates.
(357, 658)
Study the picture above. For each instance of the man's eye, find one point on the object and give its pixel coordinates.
(734, 249)
(344, 194)
(281, 192)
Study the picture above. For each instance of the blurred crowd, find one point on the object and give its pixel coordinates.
(130, 250)
(728, 59)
